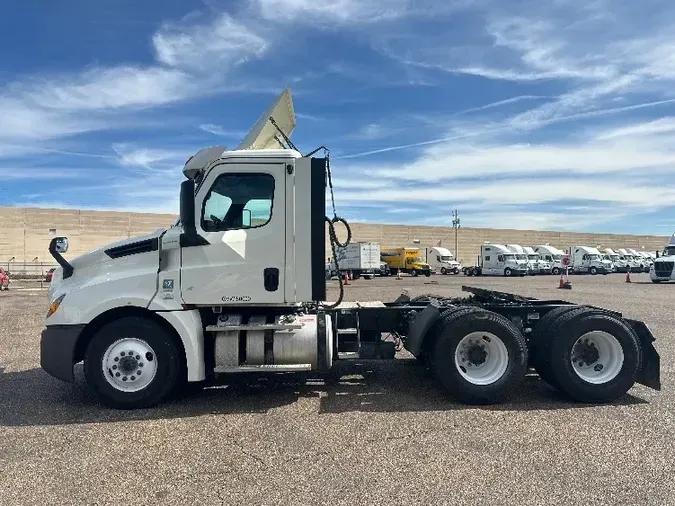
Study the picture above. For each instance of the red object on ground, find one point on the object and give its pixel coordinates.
(4, 280)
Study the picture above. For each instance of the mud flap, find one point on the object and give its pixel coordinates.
(419, 326)
(649, 374)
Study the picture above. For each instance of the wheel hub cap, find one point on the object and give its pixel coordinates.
(129, 365)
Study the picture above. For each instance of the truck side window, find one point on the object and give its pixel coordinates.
(500, 258)
(238, 201)
(585, 257)
(487, 258)
(438, 258)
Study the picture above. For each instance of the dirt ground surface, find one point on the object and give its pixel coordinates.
(368, 433)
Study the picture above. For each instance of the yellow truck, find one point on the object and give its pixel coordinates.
(407, 260)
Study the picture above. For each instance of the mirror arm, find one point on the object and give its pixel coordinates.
(67, 268)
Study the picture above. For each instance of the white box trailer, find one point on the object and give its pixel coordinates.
(361, 258)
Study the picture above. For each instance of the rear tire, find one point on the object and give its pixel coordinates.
(593, 356)
(478, 356)
(155, 355)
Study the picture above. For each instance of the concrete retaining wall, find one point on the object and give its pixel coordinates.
(25, 234)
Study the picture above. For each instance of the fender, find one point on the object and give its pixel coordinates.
(188, 326)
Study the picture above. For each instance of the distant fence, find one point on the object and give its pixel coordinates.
(27, 270)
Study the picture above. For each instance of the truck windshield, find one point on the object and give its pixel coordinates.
(533, 257)
(594, 257)
(417, 260)
(521, 256)
(556, 257)
(669, 251)
(614, 257)
(446, 258)
(509, 257)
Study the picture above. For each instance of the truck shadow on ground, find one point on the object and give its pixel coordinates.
(32, 397)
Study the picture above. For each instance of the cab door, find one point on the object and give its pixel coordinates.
(240, 212)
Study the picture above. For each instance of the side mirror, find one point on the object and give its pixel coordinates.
(61, 244)
(187, 208)
(246, 218)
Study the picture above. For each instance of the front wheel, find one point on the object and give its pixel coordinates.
(415, 273)
(593, 271)
(508, 272)
(444, 270)
(427, 273)
(132, 363)
(479, 356)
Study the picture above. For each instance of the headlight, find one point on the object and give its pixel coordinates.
(55, 305)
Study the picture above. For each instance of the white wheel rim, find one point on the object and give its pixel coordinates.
(597, 357)
(481, 358)
(129, 365)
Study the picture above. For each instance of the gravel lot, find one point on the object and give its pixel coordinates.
(370, 433)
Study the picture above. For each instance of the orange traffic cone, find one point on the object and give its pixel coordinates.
(346, 280)
(562, 281)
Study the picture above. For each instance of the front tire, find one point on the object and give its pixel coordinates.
(132, 363)
(593, 271)
(444, 270)
(479, 356)
(508, 271)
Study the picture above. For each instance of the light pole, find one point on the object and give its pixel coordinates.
(455, 225)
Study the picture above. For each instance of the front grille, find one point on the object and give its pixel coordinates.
(663, 269)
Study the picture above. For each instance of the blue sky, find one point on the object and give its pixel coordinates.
(546, 115)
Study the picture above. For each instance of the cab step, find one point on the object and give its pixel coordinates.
(264, 368)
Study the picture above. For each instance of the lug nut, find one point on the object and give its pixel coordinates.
(117, 374)
(138, 373)
(124, 378)
(121, 354)
(114, 367)
(117, 359)
(133, 378)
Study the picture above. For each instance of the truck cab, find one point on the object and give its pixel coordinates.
(544, 266)
(663, 268)
(586, 259)
(521, 256)
(620, 264)
(552, 255)
(498, 260)
(442, 260)
(634, 264)
(405, 260)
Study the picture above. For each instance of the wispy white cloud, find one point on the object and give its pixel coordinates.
(220, 131)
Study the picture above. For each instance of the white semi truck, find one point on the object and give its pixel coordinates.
(497, 260)
(542, 266)
(620, 263)
(521, 256)
(589, 260)
(663, 268)
(552, 255)
(238, 285)
(634, 264)
(442, 260)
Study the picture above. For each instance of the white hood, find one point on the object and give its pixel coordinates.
(99, 254)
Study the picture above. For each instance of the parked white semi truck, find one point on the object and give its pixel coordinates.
(589, 260)
(442, 260)
(634, 264)
(663, 268)
(618, 261)
(497, 260)
(242, 288)
(542, 266)
(552, 255)
(521, 256)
